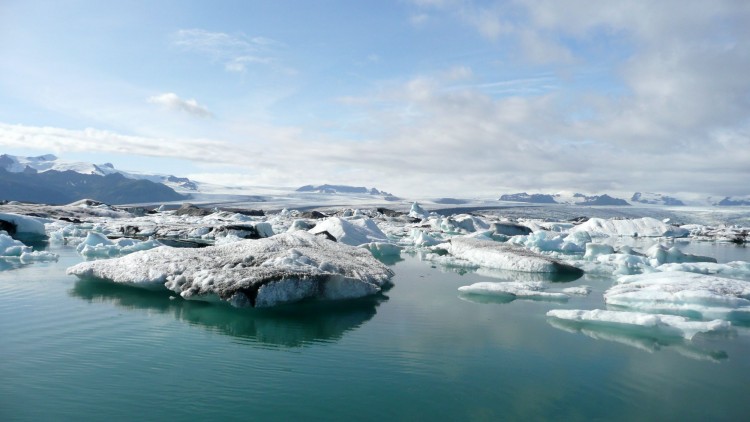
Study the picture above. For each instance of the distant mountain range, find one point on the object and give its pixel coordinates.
(331, 189)
(45, 179)
(559, 198)
(733, 201)
(655, 199)
(48, 162)
(638, 198)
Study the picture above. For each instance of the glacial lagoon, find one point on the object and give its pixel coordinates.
(82, 350)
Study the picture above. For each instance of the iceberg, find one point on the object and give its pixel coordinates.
(12, 249)
(21, 224)
(638, 227)
(352, 232)
(417, 211)
(382, 249)
(667, 325)
(512, 289)
(734, 269)
(681, 293)
(660, 254)
(546, 241)
(98, 245)
(285, 268)
(501, 256)
(509, 228)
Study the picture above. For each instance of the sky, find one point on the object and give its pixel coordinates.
(415, 97)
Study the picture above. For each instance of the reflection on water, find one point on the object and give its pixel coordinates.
(644, 339)
(507, 298)
(289, 326)
(9, 264)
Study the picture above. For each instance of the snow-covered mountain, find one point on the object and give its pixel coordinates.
(569, 198)
(344, 189)
(655, 199)
(48, 162)
(48, 180)
(733, 201)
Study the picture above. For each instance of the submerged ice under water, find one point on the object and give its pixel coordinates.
(451, 339)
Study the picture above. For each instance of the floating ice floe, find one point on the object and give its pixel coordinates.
(582, 290)
(13, 249)
(735, 269)
(667, 325)
(682, 293)
(490, 254)
(638, 227)
(352, 232)
(513, 289)
(286, 268)
(98, 245)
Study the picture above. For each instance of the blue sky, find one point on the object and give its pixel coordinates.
(417, 97)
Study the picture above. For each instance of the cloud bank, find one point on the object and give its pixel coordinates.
(173, 102)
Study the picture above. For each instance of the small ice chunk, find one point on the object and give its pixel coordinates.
(15, 250)
(382, 249)
(663, 324)
(577, 291)
(98, 245)
(594, 250)
(421, 238)
(418, 212)
(662, 255)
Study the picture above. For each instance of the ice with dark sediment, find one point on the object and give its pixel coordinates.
(502, 256)
(286, 268)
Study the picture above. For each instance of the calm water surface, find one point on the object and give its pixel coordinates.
(75, 350)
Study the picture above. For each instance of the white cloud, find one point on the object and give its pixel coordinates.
(173, 102)
(235, 52)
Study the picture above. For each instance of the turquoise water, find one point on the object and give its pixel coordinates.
(75, 350)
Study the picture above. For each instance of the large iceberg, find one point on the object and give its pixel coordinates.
(501, 256)
(286, 268)
(660, 324)
(637, 227)
(682, 293)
